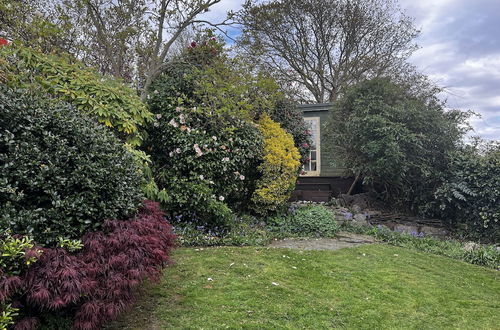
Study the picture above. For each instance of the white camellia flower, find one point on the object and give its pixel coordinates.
(221, 198)
(173, 123)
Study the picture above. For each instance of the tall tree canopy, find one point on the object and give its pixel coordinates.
(397, 143)
(128, 39)
(324, 46)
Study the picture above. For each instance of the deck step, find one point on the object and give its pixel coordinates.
(313, 186)
(311, 195)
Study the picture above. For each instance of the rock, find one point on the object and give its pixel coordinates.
(356, 209)
(433, 231)
(360, 220)
(406, 229)
(471, 246)
(373, 213)
(363, 200)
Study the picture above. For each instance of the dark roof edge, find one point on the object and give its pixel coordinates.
(315, 107)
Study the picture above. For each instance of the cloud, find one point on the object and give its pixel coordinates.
(460, 50)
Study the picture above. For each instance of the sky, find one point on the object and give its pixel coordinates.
(459, 50)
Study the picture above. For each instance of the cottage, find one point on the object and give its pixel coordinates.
(321, 179)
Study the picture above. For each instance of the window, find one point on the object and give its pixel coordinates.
(312, 167)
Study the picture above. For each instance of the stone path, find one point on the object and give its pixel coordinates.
(344, 240)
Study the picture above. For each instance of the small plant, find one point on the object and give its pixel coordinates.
(315, 221)
(7, 315)
(71, 245)
(16, 253)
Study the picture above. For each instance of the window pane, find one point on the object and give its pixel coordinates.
(313, 166)
(313, 155)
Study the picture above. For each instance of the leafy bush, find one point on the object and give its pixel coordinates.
(396, 142)
(315, 221)
(291, 120)
(279, 168)
(469, 198)
(95, 284)
(205, 167)
(62, 172)
(113, 103)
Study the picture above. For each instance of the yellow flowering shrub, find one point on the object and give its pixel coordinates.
(279, 168)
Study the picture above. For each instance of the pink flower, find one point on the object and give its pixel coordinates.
(3, 42)
(182, 119)
(199, 153)
(305, 145)
(242, 177)
(193, 44)
(173, 123)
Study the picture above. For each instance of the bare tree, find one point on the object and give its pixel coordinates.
(323, 47)
(131, 39)
(128, 39)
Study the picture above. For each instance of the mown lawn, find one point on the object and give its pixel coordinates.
(369, 287)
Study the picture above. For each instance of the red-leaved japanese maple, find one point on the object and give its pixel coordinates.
(96, 283)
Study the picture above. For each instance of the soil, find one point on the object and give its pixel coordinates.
(343, 240)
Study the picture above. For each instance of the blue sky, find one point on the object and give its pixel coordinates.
(459, 50)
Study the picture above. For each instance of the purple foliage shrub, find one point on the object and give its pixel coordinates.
(96, 283)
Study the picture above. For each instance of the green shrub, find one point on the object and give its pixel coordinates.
(469, 198)
(286, 113)
(110, 101)
(278, 169)
(309, 221)
(206, 168)
(62, 172)
(397, 143)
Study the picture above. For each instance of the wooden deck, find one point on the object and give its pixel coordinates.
(320, 189)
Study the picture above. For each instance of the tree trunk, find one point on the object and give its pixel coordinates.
(356, 179)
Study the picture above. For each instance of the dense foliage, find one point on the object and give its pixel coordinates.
(291, 120)
(279, 168)
(469, 198)
(309, 221)
(114, 104)
(62, 173)
(205, 147)
(204, 167)
(397, 143)
(94, 284)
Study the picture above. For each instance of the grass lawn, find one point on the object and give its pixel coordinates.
(369, 287)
